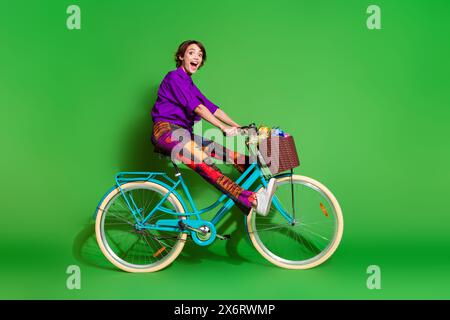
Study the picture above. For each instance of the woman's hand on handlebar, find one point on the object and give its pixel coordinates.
(230, 131)
(244, 130)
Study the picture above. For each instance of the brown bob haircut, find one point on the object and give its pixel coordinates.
(182, 49)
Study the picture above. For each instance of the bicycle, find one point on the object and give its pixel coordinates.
(142, 222)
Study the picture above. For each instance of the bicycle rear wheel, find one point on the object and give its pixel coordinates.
(125, 246)
(312, 238)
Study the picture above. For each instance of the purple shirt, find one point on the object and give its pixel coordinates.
(177, 98)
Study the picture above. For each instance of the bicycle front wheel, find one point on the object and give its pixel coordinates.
(127, 247)
(311, 238)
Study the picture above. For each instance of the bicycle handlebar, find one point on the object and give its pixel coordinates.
(244, 130)
(250, 126)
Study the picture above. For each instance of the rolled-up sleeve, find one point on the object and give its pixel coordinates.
(211, 106)
(182, 94)
(208, 104)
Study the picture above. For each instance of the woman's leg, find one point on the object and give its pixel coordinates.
(240, 161)
(213, 175)
(195, 158)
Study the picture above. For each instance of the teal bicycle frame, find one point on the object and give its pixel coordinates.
(246, 180)
(192, 220)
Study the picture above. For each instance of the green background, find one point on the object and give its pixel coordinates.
(369, 110)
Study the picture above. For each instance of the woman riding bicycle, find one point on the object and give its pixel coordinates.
(178, 106)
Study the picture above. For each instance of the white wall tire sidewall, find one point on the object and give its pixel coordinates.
(164, 263)
(340, 227)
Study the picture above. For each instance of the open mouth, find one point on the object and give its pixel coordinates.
(194, 64)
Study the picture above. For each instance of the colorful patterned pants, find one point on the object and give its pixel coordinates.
(196, 153)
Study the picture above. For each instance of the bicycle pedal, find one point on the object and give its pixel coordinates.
(224, 237)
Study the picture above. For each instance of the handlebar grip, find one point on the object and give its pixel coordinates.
(251, 125)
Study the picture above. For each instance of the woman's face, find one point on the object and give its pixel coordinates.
(193, 57)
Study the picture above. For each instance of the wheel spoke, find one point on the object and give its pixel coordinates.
(138, 249)
(310, 238)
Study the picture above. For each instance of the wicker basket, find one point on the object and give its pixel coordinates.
(279, 159)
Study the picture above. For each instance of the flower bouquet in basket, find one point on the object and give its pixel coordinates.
(277, 149)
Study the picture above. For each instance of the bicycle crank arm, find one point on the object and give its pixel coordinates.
(224, 237)
(184, 226)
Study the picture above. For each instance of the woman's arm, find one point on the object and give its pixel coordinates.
(221, 115)
(204, 112)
